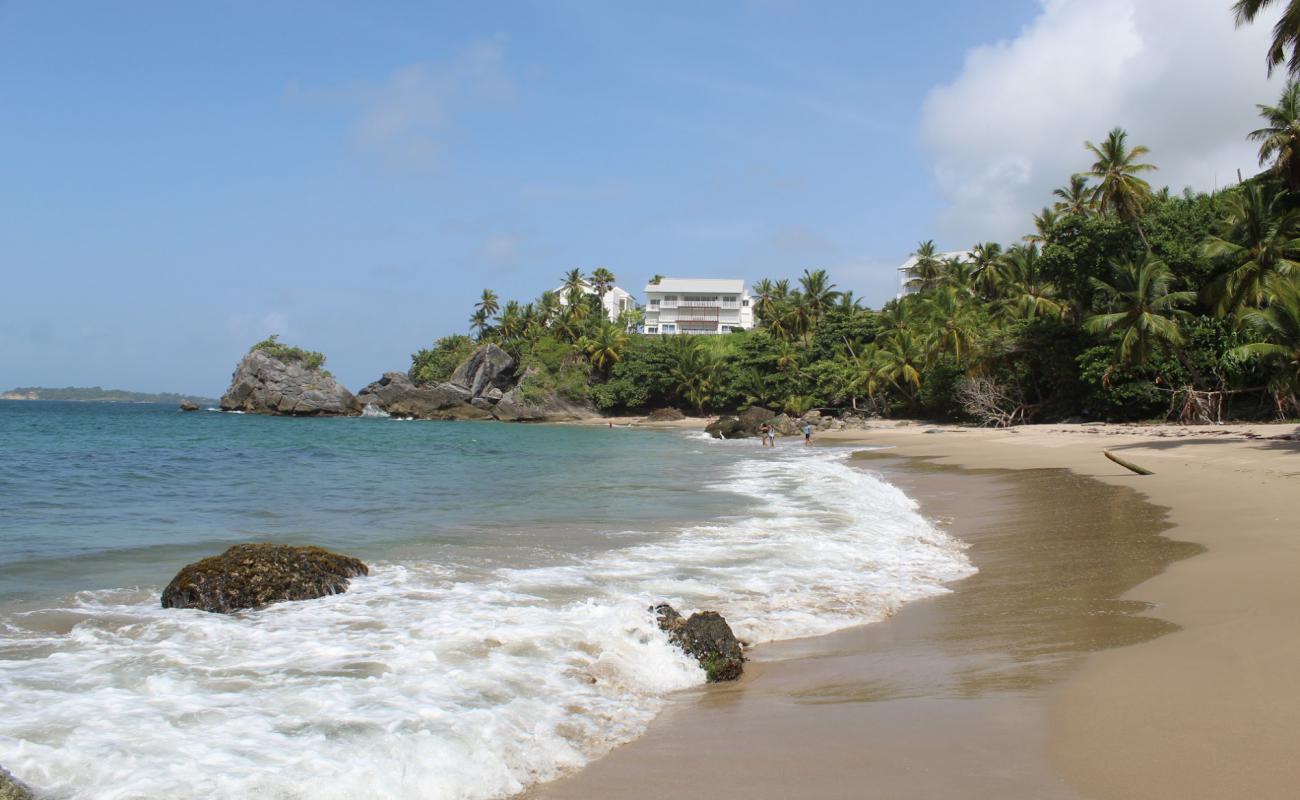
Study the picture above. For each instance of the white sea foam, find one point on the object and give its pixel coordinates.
(425, 681)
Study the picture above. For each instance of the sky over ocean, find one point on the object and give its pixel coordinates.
(182, 179)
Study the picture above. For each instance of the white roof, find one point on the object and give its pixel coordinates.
(962, 255)
(698, 286)
(587, 288)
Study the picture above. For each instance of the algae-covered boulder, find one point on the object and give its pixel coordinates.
(13, 789)
(753, 417)
(706, 637)
(255, 575)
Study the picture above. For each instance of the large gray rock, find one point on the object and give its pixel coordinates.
(707, 638)
(397, 395)
(488, 367)
(751, 418)
(725, 428)
(263, 384)
(665, 415)
(515, 407)
(13, 789)
(255, 575)
(784, 425)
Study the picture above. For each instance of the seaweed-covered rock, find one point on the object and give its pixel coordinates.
(725, 428)
(706, 637)
(254, 575)
(665, 415)
(13, 789)
(266, 384)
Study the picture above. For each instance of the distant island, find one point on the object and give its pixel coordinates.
(88, 394)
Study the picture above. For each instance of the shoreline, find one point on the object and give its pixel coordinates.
(1202, 709)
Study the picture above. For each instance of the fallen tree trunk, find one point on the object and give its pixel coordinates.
(1127, 464)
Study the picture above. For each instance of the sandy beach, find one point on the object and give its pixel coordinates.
(1126, 637)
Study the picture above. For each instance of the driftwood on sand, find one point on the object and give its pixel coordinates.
(1127, 464)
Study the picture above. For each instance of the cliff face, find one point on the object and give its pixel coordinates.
(264, 384)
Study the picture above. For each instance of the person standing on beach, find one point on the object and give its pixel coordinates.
(807, 433)
(765, 433)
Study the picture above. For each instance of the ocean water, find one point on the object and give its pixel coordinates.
(502, 638)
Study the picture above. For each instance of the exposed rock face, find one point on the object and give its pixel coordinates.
(784, 425)
(707, 638)
(13, 789)
(725, 428)
(187, 405)
(263, 384)
(753, 417)
(513, 407)
(397, 395)
(254, 575)
(665, 415)
(488, 367)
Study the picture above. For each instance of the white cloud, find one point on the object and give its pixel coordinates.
(404, 119)
(1174, 73)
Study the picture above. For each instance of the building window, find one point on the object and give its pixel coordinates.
(746, 303)
(652, 329)
(654, 303)
(726, 329)
(670, 329)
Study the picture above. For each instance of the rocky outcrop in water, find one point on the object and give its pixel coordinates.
(783, 425)
(397, 395)
(706, 637)
(265, 384)
(752, 418)
(188, 405)
(13, 789)
(255, 575)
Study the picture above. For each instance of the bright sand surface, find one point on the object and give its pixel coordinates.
(1126, 637)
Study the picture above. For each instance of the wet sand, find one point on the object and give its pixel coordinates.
(1091, 656)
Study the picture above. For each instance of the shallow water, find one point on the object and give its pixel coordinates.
(501, 639)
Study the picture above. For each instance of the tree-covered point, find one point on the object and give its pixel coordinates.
(273, 347)
(1122, 302)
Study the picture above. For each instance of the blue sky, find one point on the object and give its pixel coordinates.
(181, 179)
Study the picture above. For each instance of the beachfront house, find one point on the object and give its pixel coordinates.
(697, 305)
(616, 300)
(908, 271)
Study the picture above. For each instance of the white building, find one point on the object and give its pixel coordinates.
(697, 305)
(907, 271)
(616, 300)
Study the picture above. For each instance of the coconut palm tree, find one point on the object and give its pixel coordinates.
(573, 280)
(817, 294)
(765, 300)
(694, 370)
(958, 274)
(602, 280)
(1279, 328)
(1026, 293)
(478, 322)
(953, 326)
(1280, 138)
(1143, 310)
(605, 346)
(1119, 189)
(848, 303)
(1044, 222)
(1256, 247)
(899, 359)
(489, 304)
(548, 306)
(984, 259)
(1077, 198)
(928, 268)
(1286, 33)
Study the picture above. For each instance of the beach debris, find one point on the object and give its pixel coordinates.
(13, 789)
(1127, 464)
(706, 637)
(665, 415)
(255, 575)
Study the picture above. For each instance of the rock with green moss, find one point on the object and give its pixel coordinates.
(255, 575)
(13, 789)
(706, 637)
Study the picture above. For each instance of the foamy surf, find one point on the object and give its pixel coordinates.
(433, 681)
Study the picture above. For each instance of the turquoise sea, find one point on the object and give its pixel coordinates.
(502, 638)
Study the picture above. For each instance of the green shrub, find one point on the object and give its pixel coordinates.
(272, 347)
(436, 364)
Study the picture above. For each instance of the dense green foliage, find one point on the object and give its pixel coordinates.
(272, 346)
(1123, 303)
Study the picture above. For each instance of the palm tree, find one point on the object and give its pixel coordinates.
(573, 280)
(1077, 198)
(1044, 222)
(1286, 33)
(602, 280)
(605, 346)
(694, 369)
(1279, 327)
(848, 303)
(656, 279)
(1144, 311)
(1119, 189)
(953, 327)
(548, 305)
(765, 303)
(984, 259)
(513, 323)
(899, 359)
(1257, 245)
(1026, 293)
(489, 304)
(1280, 139)
(927, 269)
(478, 322)
(958, 274)
(818, 292)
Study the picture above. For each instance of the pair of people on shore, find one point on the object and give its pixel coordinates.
(768, 435)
